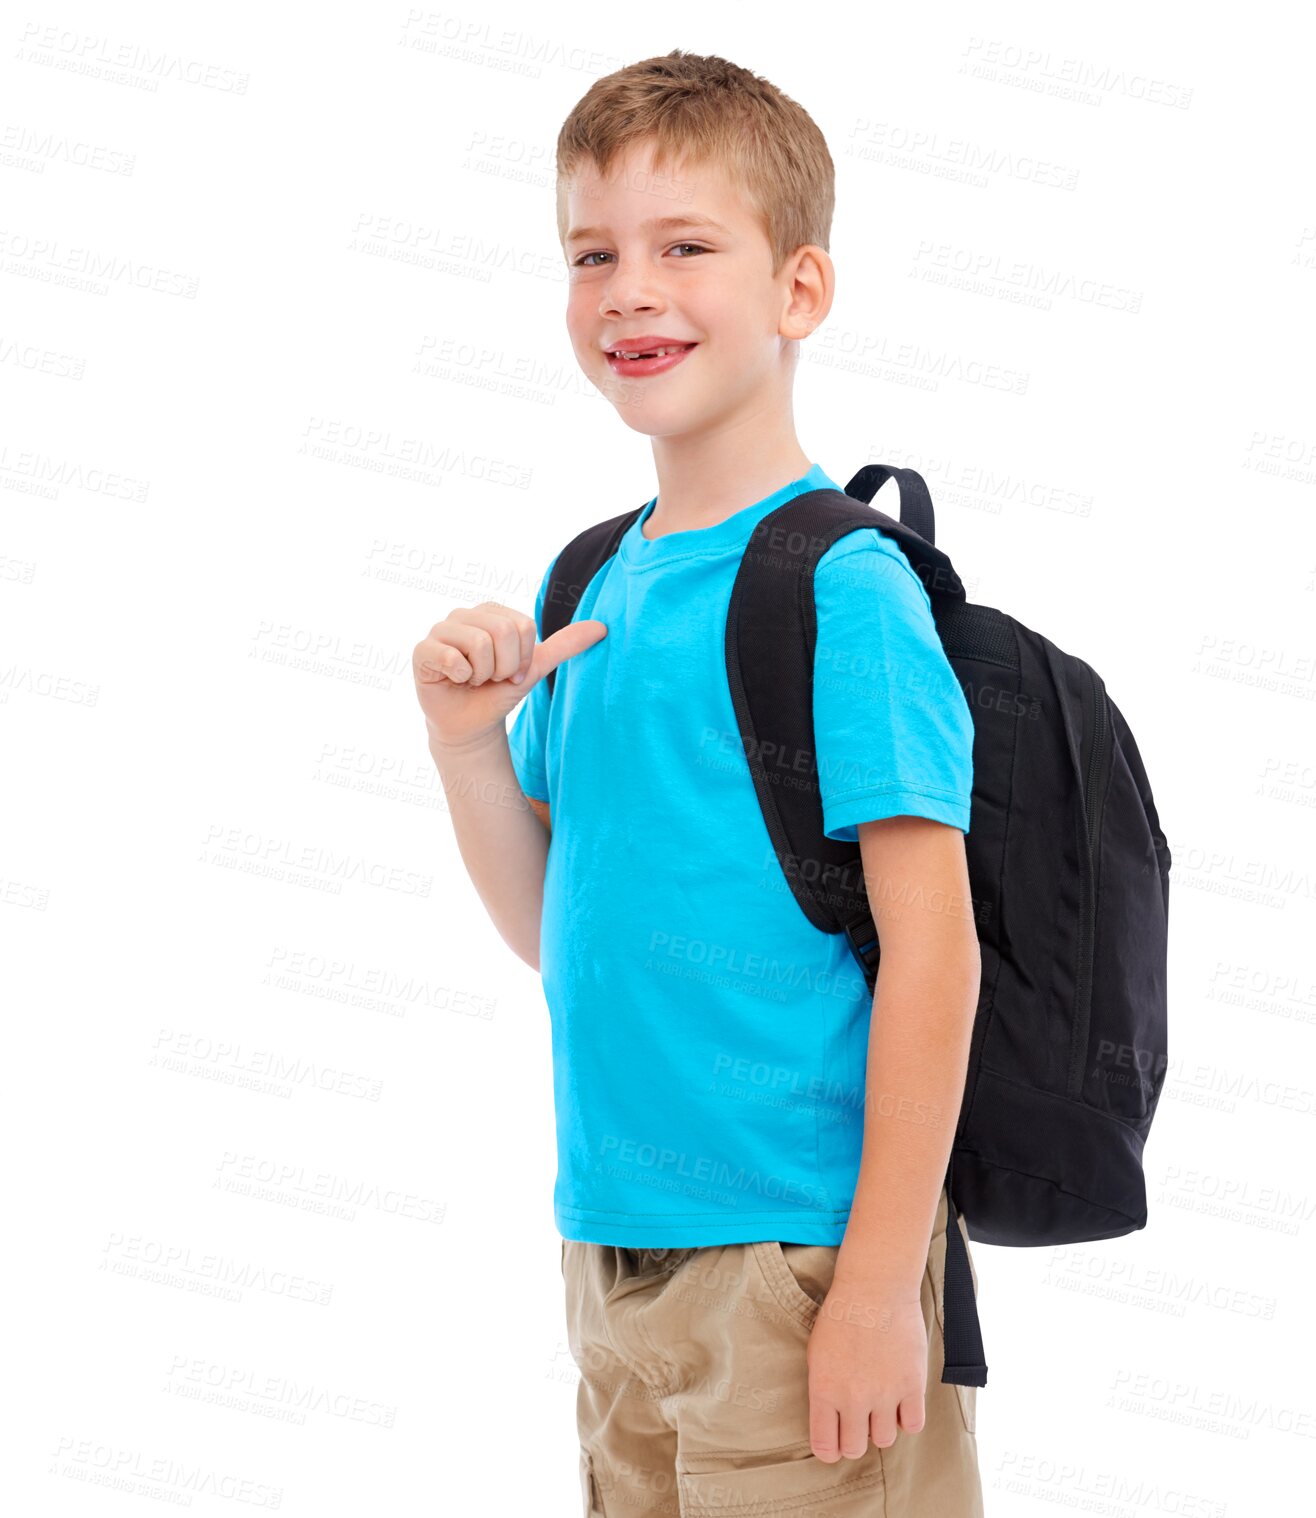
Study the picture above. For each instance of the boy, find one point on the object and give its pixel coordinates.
(750, 1149)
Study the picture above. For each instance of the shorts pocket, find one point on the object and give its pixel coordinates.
(592, 1505)
(798, 1275)
(804, 1486)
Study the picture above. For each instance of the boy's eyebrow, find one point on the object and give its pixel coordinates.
(657, 224)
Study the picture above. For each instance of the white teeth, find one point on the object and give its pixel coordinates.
(658, 352)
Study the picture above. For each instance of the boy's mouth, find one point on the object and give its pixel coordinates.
(650, 361)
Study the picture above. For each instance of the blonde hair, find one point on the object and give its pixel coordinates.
(705, 109)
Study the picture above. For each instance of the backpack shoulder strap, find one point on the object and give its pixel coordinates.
(575, 567)
(771, 633)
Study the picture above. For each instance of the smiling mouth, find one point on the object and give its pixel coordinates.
(653, 362)
(629, 357)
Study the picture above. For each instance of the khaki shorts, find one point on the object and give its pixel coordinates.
(694, 1398)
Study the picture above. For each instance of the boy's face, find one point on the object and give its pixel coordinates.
(712, 286)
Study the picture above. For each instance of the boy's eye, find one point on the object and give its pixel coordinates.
(583, 261)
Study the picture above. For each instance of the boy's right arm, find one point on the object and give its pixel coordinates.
(470, 672)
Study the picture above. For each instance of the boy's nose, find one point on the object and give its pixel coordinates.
(620, 305)
(628, 293)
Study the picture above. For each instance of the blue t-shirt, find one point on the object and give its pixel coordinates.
(709, 1043)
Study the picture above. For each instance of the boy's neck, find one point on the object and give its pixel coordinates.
(702, 483)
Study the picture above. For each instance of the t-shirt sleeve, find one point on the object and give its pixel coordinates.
(892, 727)
(528, 739)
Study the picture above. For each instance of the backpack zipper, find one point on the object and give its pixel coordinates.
(1096, 774)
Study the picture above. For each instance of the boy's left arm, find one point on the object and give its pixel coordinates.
(868, 1351)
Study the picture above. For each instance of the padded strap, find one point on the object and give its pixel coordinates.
(574, 568)
(771, 637)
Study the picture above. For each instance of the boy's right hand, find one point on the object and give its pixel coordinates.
(480, 661)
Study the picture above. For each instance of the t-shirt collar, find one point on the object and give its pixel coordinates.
(733, 532)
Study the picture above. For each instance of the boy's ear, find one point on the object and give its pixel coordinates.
(812, 287)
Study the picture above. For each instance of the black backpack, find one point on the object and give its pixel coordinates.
(1068, 871)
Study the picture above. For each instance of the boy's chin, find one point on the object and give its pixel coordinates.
(652, 426)
(650, 417)
(646, 426)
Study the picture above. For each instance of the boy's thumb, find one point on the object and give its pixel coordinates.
(572, 639)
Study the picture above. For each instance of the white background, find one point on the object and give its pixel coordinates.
(285, 378)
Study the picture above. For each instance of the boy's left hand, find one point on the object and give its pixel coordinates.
(868, 1368)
